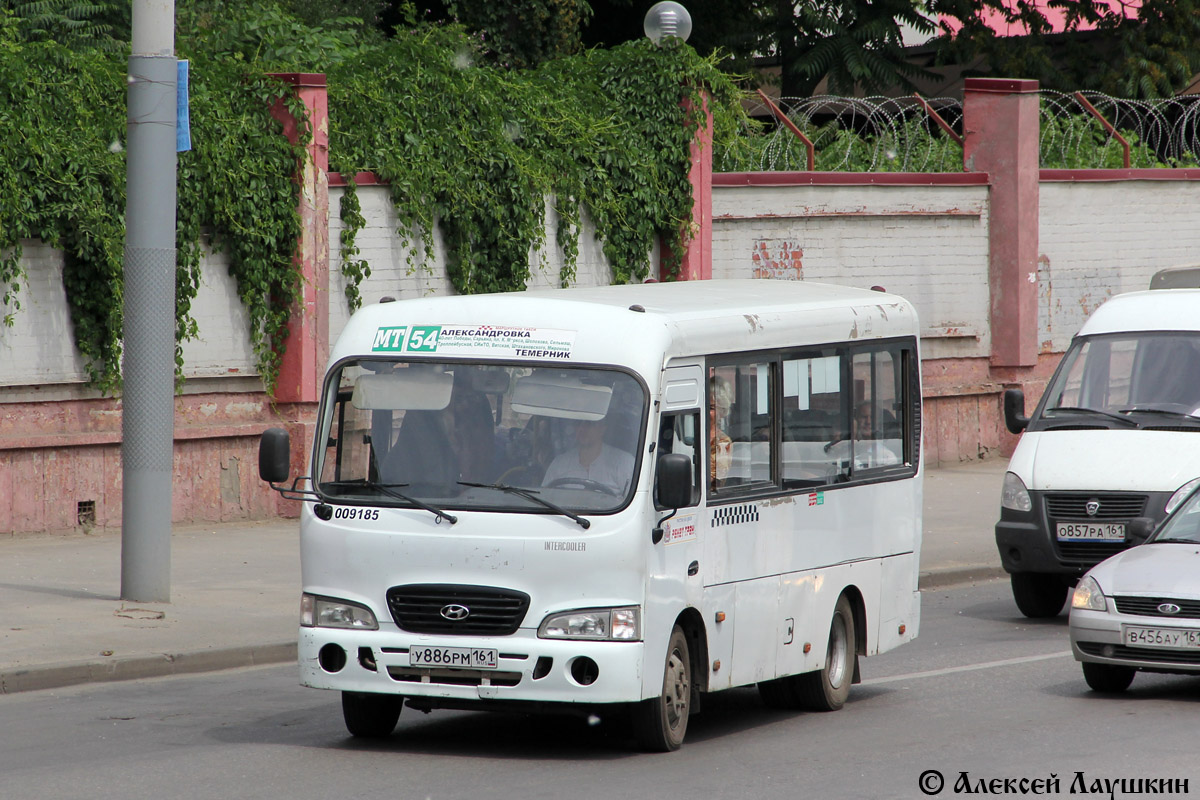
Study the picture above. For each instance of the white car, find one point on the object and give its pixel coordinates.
(1140, 609)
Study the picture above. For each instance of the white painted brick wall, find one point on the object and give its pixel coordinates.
(926, 243)
(381, 247)
(39, 348)
(1100, 239)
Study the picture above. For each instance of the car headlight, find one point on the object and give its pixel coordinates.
(1088, 595)
(328, 612)
(1014, 495)
(597, 624)
(1181, 494)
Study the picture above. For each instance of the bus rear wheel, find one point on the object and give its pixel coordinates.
(826, 689)
(371, 716)
(660, 723)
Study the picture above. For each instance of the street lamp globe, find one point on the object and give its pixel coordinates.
(667, 19)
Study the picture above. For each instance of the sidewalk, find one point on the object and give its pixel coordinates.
(235, 591)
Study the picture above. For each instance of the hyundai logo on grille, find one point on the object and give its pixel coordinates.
(1168, 608)
(1092, 507)
(455, 612)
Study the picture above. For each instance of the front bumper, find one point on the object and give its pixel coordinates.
(1096, 637)
(530, 669)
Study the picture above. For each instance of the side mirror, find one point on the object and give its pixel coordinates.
(1014, 410)
(1138, 530)
(274, 456)
(673, 480)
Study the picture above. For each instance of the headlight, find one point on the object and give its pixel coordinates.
(1014, 495)
(1088, 595)
(1181, 494)
(327, 612)
(598, 624)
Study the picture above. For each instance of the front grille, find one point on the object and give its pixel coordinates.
(1148, 607)
(493, 612)
(1112, 506)
(454, 677)
(1140, 653)
(1089, 552)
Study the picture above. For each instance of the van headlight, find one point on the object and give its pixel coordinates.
(329, 612)
(1181, 494)
(1014, 495)
(1088, 595)
(597, 624)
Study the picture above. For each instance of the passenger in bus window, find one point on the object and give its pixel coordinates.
(720, 445)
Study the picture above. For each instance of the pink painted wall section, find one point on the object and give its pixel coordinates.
(60, 462)
(1000, 132)
(697, 259)
(307, 347)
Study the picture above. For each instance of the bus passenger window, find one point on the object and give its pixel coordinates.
(748, 424)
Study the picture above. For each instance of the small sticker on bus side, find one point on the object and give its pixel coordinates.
(506, 342)
(679, 529)
(816, 499)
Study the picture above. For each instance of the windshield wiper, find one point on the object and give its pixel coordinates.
(1096, 411)
(390, 490)
(530, 494)
(1174, 540)
(1164, 411)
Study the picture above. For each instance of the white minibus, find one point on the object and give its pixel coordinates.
(610, 499)
(1111, 448)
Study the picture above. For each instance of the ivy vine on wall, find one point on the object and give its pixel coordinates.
(477, 150)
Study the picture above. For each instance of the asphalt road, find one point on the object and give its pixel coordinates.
(983, 692)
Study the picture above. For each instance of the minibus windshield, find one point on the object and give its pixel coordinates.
(1145, 379)
(516, 438)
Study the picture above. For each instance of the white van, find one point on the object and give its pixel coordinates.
(625, 497)
(1112, 447)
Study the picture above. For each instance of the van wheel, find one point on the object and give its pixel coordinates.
(660, 723)
(1107, 678)
(371, 716)
(1038, 595)
(827, 688)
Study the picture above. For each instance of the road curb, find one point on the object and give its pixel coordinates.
(57, 676)
(954, 576)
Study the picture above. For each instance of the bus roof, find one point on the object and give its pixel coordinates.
(1157, 310)
(639, 325)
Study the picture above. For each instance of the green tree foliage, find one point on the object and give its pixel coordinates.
(856, 44)
(517, 33)
(76, 24)
(1153, 53)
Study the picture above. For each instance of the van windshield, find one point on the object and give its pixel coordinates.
(556, 440)
(1141, 379)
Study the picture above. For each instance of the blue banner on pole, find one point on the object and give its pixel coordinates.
(183, 131)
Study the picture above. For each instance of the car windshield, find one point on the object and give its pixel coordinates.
(1184, 524)
(481, 436)
(1150, 379)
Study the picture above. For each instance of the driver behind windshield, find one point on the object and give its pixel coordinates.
(591, 459)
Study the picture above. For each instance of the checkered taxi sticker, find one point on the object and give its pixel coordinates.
(734, 515)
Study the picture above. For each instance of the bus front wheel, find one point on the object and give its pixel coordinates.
(826, 689)
(371, 716)
(660, 723)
